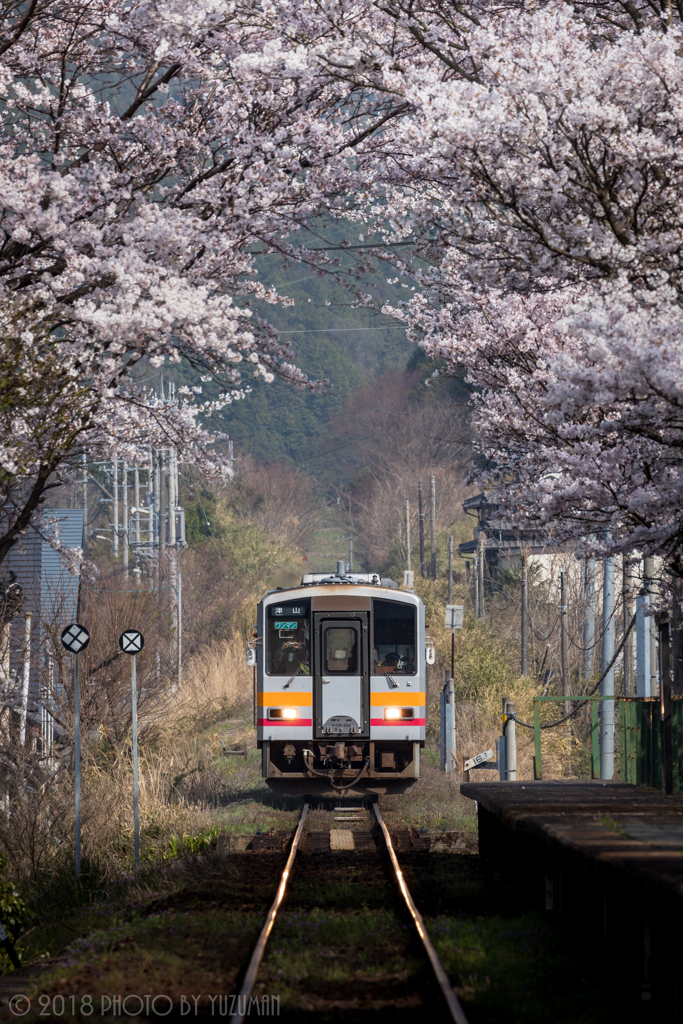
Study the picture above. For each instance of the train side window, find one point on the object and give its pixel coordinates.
(394, 638)
(288, 639)
(341, 654)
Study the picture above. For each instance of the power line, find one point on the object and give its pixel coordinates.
(333, 330)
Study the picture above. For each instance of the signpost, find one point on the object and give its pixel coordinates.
(478, 761)
(75, 638)
(454, 620)
(131, 642)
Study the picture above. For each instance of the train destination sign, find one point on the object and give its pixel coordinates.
(477, 760)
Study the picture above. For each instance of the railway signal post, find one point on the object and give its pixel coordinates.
(75, 638)
(131, 642)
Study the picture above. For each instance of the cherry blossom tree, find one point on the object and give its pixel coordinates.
(145, 159)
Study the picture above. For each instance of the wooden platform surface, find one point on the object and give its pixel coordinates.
(631, 829)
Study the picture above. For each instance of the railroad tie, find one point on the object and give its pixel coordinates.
(342, 839)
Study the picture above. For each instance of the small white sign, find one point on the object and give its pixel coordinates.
(454, 616)
(132, 641)
(478, 759)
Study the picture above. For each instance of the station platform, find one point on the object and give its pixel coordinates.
(606, 859)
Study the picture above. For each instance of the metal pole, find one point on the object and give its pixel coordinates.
(25, 679)
(432, 521)
(136, 807)
(124, 520)
(350, 552)
(588, 616)
(136, 498)
(563, 640)
(607, 686)
(525, 617)
(77, 765)
(628, 615)
(649, 571)
(442, 731)
(450, 569)
(481, 561)
(115, 510)
(510, 741)
(162, 508)
(665, 703)
(449, 722)
(642, 646)
(84, 461)
(180, 629)
(408, 534)
(172, 500)
(421, 520)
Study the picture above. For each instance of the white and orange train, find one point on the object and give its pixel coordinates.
(341, 685)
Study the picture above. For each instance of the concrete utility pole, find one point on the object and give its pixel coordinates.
(450, 569)
(84, 484)
(588, 568)
(510, 746)
(124, 523)
(432, 521)
(481, 563)
(26, 677)
(115, 509)
(649, 572)
(136, 498)
(525, 618)
(421, 521)
(629, 689)
(162, 507)
(607, 686)
(448, 762)
(642, 644)
(408, 534)
(564, 641)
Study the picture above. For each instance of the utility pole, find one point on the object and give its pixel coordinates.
(607, 685)
(481, 563)
(408, 534)
(642, 644)
(136, 498)
(510, 746)
(629, 690)
(421, 520)
(649, 571)
(124, 532)
(115, 509)
(450, 569)
(162, 508)
(525, 618)
(350, 551)
(588, 567)
(84, 481)
(180, 630)
(563, 640)
(432, 521)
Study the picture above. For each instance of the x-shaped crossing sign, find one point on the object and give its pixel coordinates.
(75, 638)
(132, 641)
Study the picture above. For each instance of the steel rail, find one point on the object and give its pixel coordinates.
(457, 1012)
(257, 955)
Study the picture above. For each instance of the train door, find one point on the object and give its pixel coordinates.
(342, 678)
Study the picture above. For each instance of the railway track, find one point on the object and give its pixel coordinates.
(455, 1010)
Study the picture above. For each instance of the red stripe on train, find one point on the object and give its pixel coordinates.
(285, 721)
(397, 721)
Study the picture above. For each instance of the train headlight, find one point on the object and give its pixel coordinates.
(394, 714)
(287, 713)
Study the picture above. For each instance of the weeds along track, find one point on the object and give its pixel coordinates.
(370, 860)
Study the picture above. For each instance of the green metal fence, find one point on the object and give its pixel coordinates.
(639, 724)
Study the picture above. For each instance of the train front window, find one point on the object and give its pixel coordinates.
(341, 652)
(394, 638)
(288, 639)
